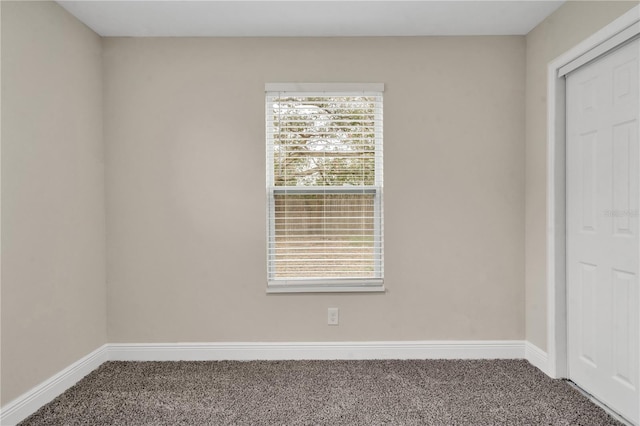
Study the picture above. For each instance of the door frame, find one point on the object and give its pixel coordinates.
(557, 365)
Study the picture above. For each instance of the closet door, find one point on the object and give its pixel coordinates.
(602, 229)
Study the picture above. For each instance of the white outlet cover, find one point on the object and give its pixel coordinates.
(333, 316)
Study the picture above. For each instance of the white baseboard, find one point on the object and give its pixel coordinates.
(501, 349)
(536, 356)
(29, 402)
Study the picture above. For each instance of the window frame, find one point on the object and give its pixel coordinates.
(323, 285)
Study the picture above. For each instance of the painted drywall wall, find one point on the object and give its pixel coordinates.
(569, 25)
(53, 216)
(185, 147)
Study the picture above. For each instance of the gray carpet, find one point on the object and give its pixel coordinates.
(432, 392)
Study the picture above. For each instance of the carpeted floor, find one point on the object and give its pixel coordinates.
(432, 392)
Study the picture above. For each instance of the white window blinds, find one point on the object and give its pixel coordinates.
(324, 180)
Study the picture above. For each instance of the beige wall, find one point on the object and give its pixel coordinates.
(53, 220)
(569, 25)
(185, 146)
(185, 201)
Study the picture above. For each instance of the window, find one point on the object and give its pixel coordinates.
(324, 184)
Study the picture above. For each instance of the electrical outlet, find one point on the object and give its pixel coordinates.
(333, 316)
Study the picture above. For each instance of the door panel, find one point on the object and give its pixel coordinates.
(602, 229)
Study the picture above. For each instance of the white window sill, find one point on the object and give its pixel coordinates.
(374, 287)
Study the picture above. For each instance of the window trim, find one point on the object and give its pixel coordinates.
(310, 88)
(326, 285)
(323, 286)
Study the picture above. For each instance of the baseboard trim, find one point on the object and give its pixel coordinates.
(495, 349)
(29, 402)
(536, 356)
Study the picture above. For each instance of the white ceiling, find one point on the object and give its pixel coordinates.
(327, 18)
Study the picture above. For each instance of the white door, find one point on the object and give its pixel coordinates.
(602, 229)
